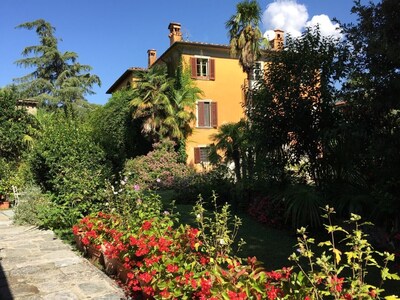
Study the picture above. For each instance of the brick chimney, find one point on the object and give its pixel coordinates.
(175, 34)
(277, 42)
(151, 57)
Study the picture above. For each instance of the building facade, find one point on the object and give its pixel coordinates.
(216, 73)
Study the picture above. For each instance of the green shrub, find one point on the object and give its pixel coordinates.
(159, 169)
(67, 163)
(31, 206)
(216, 181)
(340, 271)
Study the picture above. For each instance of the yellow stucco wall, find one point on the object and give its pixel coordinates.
(227, 91)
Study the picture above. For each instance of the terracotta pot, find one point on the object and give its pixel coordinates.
(111, 265)
(78, 242)
(122, 272)
(95, 255)
(4, 205)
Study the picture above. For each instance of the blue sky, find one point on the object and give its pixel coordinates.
(112, 36)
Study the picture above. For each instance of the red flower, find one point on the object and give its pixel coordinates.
(146, 225)
(336, 283)
(172, 268)
(372, 293)
(274, 275)
(237, 296)
(348, 297)
(272, 292)
(165, 293)
(145, 277)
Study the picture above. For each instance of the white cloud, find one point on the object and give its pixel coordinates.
(292, 17)
(326, 26)
(287, 15)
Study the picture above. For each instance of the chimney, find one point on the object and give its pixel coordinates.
(277, 42)
(175, 34)
(151, 57)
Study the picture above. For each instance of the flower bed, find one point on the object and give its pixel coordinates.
(162, 262)
(155, 257)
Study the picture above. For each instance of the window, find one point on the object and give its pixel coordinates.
(207, 114)
(257, 71)
(202, 68)
(201, 154)
(257, 74)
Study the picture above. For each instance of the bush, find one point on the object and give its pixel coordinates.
(126, 140)
(216, 181)
(159, 169)
(340, 271)
(67, 163)
(31, 207)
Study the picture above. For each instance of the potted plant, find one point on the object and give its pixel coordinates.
(4, 202)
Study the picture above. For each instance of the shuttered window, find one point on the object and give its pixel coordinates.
(202, 68)
(201, 155)
(207, 115)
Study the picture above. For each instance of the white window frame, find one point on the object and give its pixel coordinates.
(202, 74)
(257, 74)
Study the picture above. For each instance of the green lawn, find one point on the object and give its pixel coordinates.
(270, 246)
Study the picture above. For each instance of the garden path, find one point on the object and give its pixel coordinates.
(34, 264)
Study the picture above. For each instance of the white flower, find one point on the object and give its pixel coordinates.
(222, 241)
(198, 216)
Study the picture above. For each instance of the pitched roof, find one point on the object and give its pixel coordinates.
(124, 76)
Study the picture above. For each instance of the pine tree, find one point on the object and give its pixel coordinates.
(57, 79)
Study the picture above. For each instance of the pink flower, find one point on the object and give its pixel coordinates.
(136, 187)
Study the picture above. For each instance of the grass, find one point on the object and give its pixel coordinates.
(271, 246)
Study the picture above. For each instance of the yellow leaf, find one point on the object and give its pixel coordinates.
(337, 255)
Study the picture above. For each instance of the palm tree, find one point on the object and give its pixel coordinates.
(245, 39)
(166, 105)
(230, 140)
(151, 102)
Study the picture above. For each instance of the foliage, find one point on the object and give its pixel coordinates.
(244, 34)
(298, 99)
(230, 146)
(31, 207)
(16, 126)
(165, 105)
(339, 272)
(67, 163)
(165, 261)
(116, 117)
(57, 78)
(218, 233)
(218, 180)
(245, 38)
(372, 105)
(158, 169)
(267, 211)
